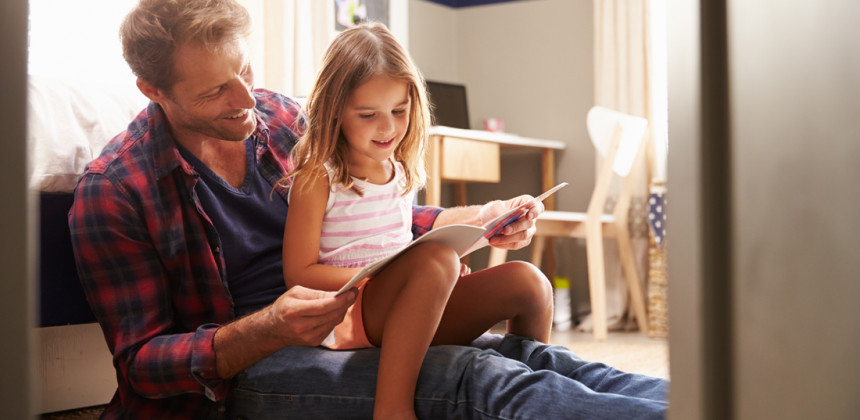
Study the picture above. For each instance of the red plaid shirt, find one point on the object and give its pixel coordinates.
(150, 263)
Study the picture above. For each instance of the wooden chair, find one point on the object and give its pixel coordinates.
(619, 139)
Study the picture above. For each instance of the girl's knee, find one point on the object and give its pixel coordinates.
(533, 284)
(437, 261)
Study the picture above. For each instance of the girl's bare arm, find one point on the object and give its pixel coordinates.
(308, 200)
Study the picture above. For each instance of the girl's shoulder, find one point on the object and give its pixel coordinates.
(311, 182)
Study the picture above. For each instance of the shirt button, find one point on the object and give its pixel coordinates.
(217, 249)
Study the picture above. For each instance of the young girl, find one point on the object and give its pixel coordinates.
(356, 172)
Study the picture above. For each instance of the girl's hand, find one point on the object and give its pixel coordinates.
(519, 233)
(465, 270)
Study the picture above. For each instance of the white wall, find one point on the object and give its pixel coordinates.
(433, 37)
(529, 63)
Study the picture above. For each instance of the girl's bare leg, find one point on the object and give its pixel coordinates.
(402, 308)
(515, 291)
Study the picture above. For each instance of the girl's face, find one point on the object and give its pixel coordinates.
(374, 121)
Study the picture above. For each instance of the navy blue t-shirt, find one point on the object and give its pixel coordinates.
(250, 221)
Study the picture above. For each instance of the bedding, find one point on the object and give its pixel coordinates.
(68, 124)
(70, 121)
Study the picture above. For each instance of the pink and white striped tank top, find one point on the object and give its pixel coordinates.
(357, 230)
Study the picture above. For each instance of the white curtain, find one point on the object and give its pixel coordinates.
(630, 76)
(288, 39)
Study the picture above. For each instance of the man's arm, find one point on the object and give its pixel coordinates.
(513, 236)
(158, 353)
(299, 317)
(128, 290)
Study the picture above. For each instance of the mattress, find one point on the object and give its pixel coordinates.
(69, 122)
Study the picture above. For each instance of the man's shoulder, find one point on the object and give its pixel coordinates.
(128, 152)
(272, 103)
(280, 112)
(121, 146)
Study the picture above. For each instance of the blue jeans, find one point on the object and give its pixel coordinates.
(495, 378)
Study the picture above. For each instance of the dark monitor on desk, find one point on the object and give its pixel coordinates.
(448, 104)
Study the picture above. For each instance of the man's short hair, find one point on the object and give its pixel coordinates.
(153, 30)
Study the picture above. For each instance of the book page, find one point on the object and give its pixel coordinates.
(463, 239)
(457, 237)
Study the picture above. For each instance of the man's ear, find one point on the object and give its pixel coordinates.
(154, 94)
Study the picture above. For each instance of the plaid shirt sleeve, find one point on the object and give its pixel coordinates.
(129, 292)
(423, 218)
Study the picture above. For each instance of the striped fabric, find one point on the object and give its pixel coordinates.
(358, 230)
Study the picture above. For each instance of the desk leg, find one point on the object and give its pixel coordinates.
(461, 200)
(548, 180)
(433, 194)
(460, 194)
(548, 176)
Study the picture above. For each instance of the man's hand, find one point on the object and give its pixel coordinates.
(299, 317)
(307, 316)
(519, 233)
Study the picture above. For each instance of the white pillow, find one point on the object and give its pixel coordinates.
(68, 124)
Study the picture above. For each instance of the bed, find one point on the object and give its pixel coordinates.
(69, 122)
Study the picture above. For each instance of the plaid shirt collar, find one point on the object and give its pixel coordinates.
(165, 154)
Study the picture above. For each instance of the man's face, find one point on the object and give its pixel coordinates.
(212, 97)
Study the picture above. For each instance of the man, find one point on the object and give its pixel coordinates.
(178, 238)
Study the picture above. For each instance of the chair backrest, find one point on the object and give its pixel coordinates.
(618, 137)
(602, 123)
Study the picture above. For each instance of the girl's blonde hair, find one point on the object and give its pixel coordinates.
(354, 56)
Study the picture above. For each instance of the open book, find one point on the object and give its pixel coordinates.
(463, 239)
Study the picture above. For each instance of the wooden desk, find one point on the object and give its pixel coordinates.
(459, 155)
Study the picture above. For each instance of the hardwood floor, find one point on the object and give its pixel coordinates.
(627, 351)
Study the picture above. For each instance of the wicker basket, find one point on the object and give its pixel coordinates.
(658, 326)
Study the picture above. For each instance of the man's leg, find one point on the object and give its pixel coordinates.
(596, 376)
(519, 378)
(307, 383)
(455, 382)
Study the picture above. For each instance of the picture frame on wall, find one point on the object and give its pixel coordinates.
(349, 13)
